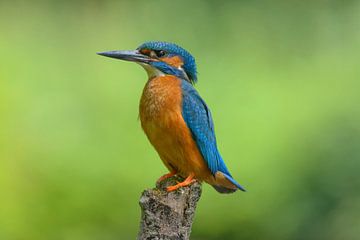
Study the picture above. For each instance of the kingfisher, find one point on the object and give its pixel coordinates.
(174, 117)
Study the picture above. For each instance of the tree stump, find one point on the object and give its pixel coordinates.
(168, 215)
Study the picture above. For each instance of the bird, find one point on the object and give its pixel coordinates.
(176, 120)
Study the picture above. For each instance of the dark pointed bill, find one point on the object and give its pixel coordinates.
(133, 56)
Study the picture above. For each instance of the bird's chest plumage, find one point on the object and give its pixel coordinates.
(161, 99)
(162, 121)
(160, 112)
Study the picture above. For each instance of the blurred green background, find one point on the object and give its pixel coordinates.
(281, 79)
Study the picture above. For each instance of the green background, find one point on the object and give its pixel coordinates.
(281, 79)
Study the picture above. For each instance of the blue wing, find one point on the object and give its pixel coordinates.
(198, 118)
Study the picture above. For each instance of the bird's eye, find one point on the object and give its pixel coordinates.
(160, 53)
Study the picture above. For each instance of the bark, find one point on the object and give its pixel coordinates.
(168, 215)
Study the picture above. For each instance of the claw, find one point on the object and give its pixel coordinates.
(189, 180)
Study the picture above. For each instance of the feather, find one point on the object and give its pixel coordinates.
(198, 119)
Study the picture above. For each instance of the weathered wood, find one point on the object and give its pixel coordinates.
(168, 215)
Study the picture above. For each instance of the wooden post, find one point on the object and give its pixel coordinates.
(168, 215)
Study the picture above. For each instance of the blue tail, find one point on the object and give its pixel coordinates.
(225, 172)
(228, 177)
(224, 188)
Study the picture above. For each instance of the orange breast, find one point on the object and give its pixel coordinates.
(162, 122)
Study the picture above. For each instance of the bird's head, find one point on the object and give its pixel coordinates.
(160, 58)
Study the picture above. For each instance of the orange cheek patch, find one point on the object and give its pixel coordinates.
(175, 61)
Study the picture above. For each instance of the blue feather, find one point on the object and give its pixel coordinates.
(198, 118)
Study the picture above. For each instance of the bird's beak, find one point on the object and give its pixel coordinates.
(132, 56)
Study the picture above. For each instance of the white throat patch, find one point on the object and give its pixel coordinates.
(152, 71)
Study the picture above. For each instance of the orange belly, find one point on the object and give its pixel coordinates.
(162, 122)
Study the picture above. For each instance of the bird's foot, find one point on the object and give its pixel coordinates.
(189, 180)
(166, 176)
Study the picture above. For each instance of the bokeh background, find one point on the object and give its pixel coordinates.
(281, 79)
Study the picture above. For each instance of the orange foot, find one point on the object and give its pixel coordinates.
(168, 175)
(189, 180)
